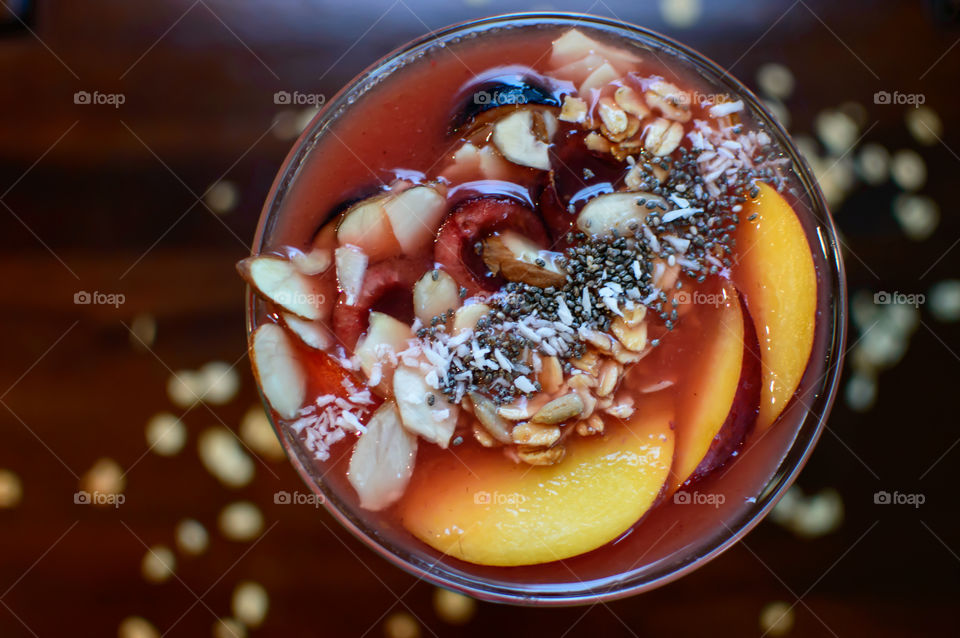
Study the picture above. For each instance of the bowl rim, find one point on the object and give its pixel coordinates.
(808, 432)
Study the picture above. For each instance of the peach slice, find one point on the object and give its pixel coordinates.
(776, 275)
(483, 508)
(706, 395)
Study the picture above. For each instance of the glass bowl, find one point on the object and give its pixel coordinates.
(683, 541)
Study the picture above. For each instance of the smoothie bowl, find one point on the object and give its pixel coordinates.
(547, 308)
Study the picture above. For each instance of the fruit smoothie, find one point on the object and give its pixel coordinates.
(541, 303)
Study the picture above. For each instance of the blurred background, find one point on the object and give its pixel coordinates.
(139, 140)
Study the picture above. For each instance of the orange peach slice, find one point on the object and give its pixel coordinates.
(776, 276)
(483, 508)
(706, 395)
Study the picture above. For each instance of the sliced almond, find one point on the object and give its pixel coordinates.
(635, 315)
(383, 459)
(470, 163)
(638, 177)
(313, 333)
(599, 340)
(597, 143)
(560, 409)
(626, 357)
(279, 281)
(551, 375)
(575, 45)
(601, 76)
(466, 317)
(574, 110)
(315, 262)
(436, 422)
(486, 412)
(577, 71)
(540, 456)
(670, 100)
(366, 225)
(620, 212)
(278, 369)
(493, 165)
(535, 434)
(628, 100)
(656, 387)
(351, 269)
(663, 136)
(415, 215)
(377, 349)
(514, 137)
(665, 276)
(518, 259)
(434, 294)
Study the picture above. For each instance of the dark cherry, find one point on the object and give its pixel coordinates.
(470, 222)
(387, 287)
(577, 175)
(504, 86)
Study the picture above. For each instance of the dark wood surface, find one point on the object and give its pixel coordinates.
(103, 198)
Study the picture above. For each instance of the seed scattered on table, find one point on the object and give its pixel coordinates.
(158, 564)
(166, 434)
(240, 521)
(250, 603)
(11, 489)
(192, 537)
